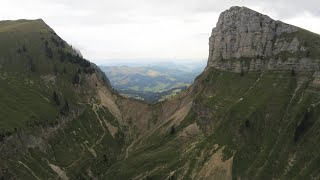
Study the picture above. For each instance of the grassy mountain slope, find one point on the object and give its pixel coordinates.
(42, 133)
(59, 115)
(261, 125)
(248, 125)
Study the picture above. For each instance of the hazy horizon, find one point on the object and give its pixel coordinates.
(147, 61)
(148, 29)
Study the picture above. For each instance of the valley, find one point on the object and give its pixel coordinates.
(152, 82)
(252, 113)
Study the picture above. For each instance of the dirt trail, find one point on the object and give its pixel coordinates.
(59, 171)
(29, 170)
(95, 107)
(106, 96)
(91, 148)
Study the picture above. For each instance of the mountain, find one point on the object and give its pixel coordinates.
(252, 114)
(248, 41)
(152, 83)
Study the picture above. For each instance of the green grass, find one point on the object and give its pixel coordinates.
(257, 131)
(26, 93)
(22, 102)
(68, 150)
(254, 117)
(29, 113)
(260, 127)
(308, 39)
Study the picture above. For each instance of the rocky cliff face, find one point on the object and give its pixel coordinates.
(245, 40)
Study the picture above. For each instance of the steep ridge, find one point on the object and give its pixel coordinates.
(59, 116)
(245, 40)
(259, 96)
(51, 121)
(254, 111)
(252, 114)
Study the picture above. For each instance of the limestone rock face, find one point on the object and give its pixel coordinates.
(243, 34)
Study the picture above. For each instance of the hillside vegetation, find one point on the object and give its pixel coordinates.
(60, 118)
(49, 119)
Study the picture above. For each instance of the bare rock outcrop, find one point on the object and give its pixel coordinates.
(245, 40)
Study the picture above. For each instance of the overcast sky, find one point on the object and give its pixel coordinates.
(157, 29)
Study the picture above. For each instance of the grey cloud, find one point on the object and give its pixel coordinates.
(283, 8)
(145, 28)
(128, 11)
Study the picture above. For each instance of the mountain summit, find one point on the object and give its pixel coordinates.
(245, 40)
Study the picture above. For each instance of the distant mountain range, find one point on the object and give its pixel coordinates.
(152, 82)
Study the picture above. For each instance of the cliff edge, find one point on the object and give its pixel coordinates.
(245, 40)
